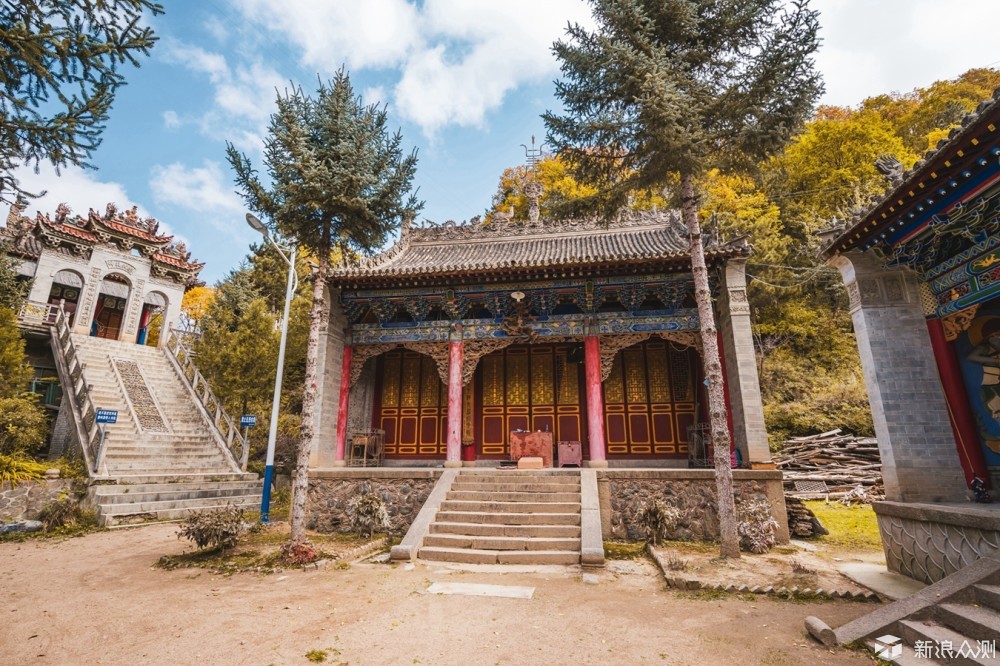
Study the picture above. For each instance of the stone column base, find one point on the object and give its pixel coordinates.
(597, 464)
(452, 463)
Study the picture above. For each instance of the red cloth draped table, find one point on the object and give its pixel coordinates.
(531, 444)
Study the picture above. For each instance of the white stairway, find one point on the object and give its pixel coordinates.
(161, 458)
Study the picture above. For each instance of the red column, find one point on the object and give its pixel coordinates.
(595, 402)
(963, 424)
(345, 394)
(453, 456)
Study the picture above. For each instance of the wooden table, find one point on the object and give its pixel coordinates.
(535, 444)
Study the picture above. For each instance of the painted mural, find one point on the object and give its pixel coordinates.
(978, 349)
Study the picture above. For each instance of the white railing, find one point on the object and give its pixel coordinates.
(91, 434)
(226, 428)
(37, 314)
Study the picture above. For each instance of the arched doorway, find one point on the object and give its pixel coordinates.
(109, 313)
(154, 306)
(66, 288)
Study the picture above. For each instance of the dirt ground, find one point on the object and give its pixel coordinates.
(784, 566)
(99, 600)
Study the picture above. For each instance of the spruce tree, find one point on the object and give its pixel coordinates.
(664, 89)
(60, 66)
(339, 181)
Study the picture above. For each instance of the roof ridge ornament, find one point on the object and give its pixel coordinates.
(532, 188)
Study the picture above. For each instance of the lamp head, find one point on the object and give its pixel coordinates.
(256, 224)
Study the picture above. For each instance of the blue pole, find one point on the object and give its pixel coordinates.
(265, 499)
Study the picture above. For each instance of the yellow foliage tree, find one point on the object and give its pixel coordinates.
(195, 306)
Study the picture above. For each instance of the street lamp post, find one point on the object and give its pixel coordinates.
(291, 284)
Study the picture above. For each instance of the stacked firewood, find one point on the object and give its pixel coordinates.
(831, 466)
(802, 524)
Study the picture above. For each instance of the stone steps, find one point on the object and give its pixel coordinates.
(505, 530)
(177, 477)
(472, 556)
(507, 518)
(167, 493)
(165, 486)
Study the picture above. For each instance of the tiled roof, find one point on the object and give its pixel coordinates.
(503, 246)
(175, 261)
(133, 231)
(68, 229)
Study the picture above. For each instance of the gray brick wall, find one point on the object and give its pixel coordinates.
(919, 456)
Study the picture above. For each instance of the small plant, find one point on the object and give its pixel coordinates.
(218, 529)
(676, 563)
(756, 526)
(799, 568)
(368, 515)
(316, 656)
(297, 554)
(657, 519)
(18, 468)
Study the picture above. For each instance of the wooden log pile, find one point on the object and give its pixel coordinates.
(830, 466)
(802, 523)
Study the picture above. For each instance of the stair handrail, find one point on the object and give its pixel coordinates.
(227, 428)
(92, 435)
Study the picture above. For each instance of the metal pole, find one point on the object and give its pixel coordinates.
(272, 435)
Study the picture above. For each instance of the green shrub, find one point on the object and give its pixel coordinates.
(17, 468)
(756, 527)
(23, 424)
(657, 519)
(368, 515)
(218, 529)
(66, 512)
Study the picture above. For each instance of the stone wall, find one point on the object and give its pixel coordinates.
(692, 491)
(928, 542)
(25, 500)
(403, 491)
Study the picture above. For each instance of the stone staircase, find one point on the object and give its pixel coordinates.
(953, 621)
(508, 517)
(161, 458)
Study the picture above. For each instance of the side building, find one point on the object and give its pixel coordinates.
(922, 270)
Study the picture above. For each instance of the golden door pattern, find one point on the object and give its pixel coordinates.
(650, 400)
(534, 387)
(412, 406)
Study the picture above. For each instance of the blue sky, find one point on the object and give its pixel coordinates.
(465, 81)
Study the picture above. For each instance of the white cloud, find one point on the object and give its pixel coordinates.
(456, 60)
(171, 120)
(80, 189)
(243, 95)
(871, 48)
(373, 33)
(205, 189)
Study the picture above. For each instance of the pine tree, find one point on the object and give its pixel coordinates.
(675, 88)
(340, 181)
(59, 72)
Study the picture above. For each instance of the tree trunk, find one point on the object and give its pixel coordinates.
(319, 319)
(713, 375)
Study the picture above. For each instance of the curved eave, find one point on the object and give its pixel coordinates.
(944, 177)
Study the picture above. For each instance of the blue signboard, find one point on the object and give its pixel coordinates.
(248, 420)
(107, 416)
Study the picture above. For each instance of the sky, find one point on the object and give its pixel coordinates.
(465, 81)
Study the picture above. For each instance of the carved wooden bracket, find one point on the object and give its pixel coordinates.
(473, 350)
(954, 324)
(360, 355)
(437, 351)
